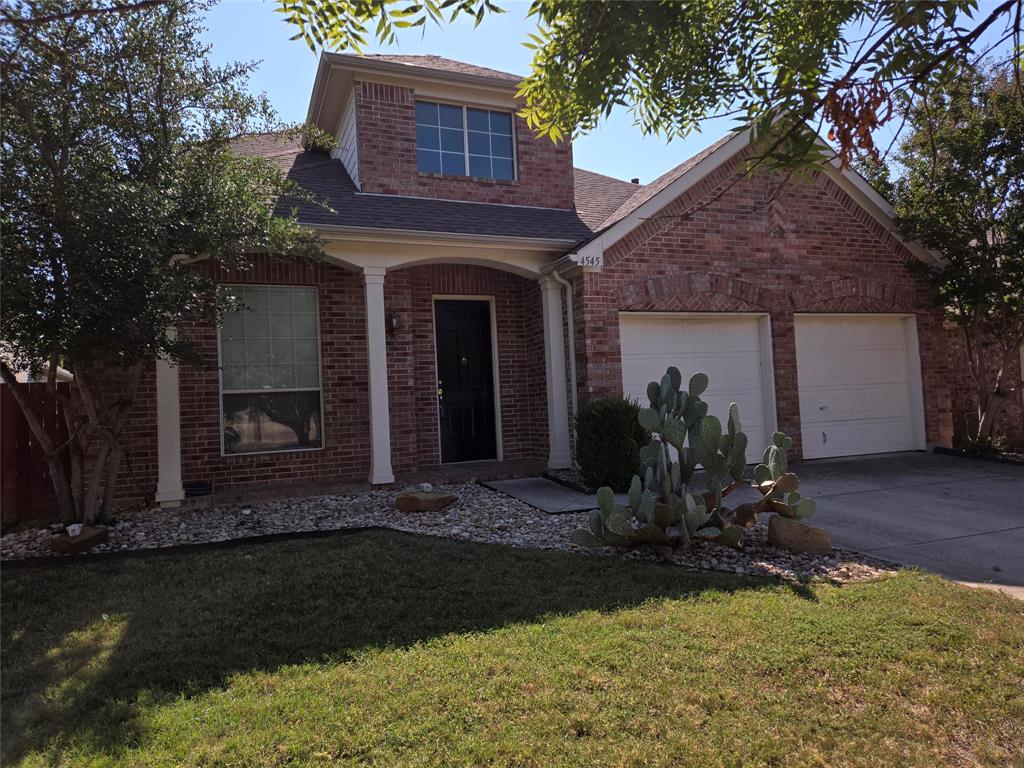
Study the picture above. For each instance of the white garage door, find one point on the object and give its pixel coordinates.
(728, 348)
(859, 384)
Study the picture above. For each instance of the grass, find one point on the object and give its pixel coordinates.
(389, 649)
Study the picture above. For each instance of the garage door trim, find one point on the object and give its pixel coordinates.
(767, 361)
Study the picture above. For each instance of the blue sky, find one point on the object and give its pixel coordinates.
(251, 30)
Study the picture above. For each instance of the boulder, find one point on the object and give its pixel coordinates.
(787, 533)
(424, 501)
(71, 545)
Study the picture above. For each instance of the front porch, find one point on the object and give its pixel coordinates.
(398, 419)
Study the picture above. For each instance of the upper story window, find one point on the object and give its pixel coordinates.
(464, 141)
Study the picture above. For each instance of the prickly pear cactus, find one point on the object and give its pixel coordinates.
(662, 508)
(778, 486)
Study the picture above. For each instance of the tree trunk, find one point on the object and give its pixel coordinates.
(995, 398)
(109, 421)
(91, 511)
(110, 492)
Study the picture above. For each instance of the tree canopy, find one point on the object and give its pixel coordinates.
(960, 192)
(118, 178)
(781, 67)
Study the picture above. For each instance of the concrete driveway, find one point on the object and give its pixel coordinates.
(960, 517)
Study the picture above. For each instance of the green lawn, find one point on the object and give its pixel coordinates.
(390, 649)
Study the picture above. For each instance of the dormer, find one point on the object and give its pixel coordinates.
(425, 126)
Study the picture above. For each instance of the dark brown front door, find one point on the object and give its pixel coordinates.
(465, 384)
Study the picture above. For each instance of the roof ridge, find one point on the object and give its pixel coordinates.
(432, 60)
(604, 176)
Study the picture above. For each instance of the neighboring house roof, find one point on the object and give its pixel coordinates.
(327, 180)
(598, 196)
(446, 65)
(40, 374)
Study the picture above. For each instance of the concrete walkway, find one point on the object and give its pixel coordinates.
(545, 495)
(962, 518)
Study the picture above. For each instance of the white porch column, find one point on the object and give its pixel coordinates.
(377, 360)
(559, 455)
(169, 491)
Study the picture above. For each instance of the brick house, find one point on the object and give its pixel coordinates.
(476, 287)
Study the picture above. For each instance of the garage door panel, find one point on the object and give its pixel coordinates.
(832, 368)
(728, 350)
(858, 333)
(837, 404)
(665, 335)
(858, 437)
(854, 385)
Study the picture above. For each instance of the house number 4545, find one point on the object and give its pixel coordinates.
(589, 259)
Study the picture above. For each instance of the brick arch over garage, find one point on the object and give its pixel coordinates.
(694, 292)
(852, 294)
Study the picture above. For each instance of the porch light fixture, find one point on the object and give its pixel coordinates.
(391, 322)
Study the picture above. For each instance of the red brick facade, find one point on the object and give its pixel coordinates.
(809, 249)
(386, 130)
(719, 248)
(344, 396)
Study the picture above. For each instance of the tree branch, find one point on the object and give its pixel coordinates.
(78, 13)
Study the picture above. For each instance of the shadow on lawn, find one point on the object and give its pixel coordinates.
(157, 628)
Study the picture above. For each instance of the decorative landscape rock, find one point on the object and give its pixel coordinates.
(481, 515)
(65, 544)
(424, 501)
(787, 533)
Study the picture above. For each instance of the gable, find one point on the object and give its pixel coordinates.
(731, 222)
(700, 178)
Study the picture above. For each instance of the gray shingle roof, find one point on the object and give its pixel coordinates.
(329, 182)
(646, 192)
(598, 196)
(446, 65)
(601, 201)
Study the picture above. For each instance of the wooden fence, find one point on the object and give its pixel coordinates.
(26, 491)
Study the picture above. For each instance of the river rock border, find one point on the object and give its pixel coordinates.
(481, 515)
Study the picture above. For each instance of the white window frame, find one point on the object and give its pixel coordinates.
(319, 388)
(465, 138)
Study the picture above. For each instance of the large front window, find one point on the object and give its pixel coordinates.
(464, 141)
(270, 370)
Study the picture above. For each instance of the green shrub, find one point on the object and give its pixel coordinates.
(608, 440)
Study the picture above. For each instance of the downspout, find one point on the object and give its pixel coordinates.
(572, 336)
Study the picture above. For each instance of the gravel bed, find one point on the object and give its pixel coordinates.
(480, 514)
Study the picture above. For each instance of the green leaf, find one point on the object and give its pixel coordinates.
(650, 420)
(731, 536)
(698, 384)
(585, 538)
(710, 434)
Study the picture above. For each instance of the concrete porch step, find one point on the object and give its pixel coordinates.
(546, 495)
